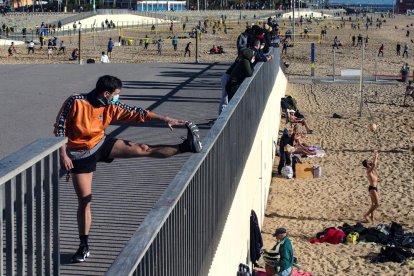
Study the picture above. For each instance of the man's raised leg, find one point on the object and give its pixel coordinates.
(127, 149)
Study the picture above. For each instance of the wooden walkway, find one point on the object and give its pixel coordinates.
(125, 190)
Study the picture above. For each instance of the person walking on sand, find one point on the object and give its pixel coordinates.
(11, 50)
(110, 47)
(372, 176)
(409, 92)
(381, 50)
(188, 49)
(398, 49)
(146, 42)
(49, 49)
(405, 53)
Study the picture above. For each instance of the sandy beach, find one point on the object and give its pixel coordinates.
(306, 207)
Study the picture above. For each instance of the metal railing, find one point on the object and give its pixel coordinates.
(181, 233)
(29, 204)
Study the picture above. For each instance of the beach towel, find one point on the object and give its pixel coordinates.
(319, 154)
(295, 272)
(332, 236)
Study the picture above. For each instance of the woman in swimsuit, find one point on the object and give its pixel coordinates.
(372, 175)
(301, 147)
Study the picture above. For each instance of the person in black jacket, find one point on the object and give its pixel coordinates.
(224, 80)
(258, 47)
(287, 138)
(242, 70)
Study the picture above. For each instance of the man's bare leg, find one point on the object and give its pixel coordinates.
(83, 186)
(82, 183)
(127, 149)
(369, 216)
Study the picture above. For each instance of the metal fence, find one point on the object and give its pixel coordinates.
(181, 233)
(29, 217)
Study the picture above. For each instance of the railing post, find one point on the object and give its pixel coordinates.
(30, 178)
(48, 216)
(10, 195)
(333, 65)
(56, 213)
(39, 216)
(1, 229)
(20, 181)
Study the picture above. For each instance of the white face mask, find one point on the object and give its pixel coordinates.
(115, 99)
(261, 47)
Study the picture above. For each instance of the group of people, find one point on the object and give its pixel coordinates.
(217, 50)
(253, 46)
(51, 46)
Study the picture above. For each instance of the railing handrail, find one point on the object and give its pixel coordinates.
(24, 158)
(135, 249)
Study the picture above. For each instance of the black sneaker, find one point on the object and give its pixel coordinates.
(192, 143)
(81, 254)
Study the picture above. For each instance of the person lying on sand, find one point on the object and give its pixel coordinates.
(372, 175)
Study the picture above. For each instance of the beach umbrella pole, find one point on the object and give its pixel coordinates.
(80, 49)
(333, 65)
(361, 78)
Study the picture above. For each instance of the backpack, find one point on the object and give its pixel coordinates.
(396, 229)
(242, 42)
(90, 60)
(352, 238)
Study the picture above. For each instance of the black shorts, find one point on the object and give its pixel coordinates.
(372, 188)
(88, 164)
(109, 50)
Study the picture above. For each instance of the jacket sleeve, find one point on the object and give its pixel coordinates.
(133, 114)
(248, 69)
(63, 116)
(286, 256)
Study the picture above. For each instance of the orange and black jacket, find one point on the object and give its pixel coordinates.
(83, 119)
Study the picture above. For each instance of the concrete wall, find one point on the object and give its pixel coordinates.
(253, 189)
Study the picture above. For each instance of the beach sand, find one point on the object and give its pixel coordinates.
(306, 207)
(117, 19)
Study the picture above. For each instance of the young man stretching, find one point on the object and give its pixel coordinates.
(372, 175)
(83, 119)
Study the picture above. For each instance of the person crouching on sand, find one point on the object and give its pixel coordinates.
(372, 175)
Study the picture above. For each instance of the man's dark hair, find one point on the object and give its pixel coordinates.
(108, 83)
(365, 163)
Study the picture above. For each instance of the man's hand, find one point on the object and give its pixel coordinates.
(174, 122)
(375, 152)
(66, 162)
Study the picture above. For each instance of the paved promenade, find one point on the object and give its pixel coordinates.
(125, 190)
